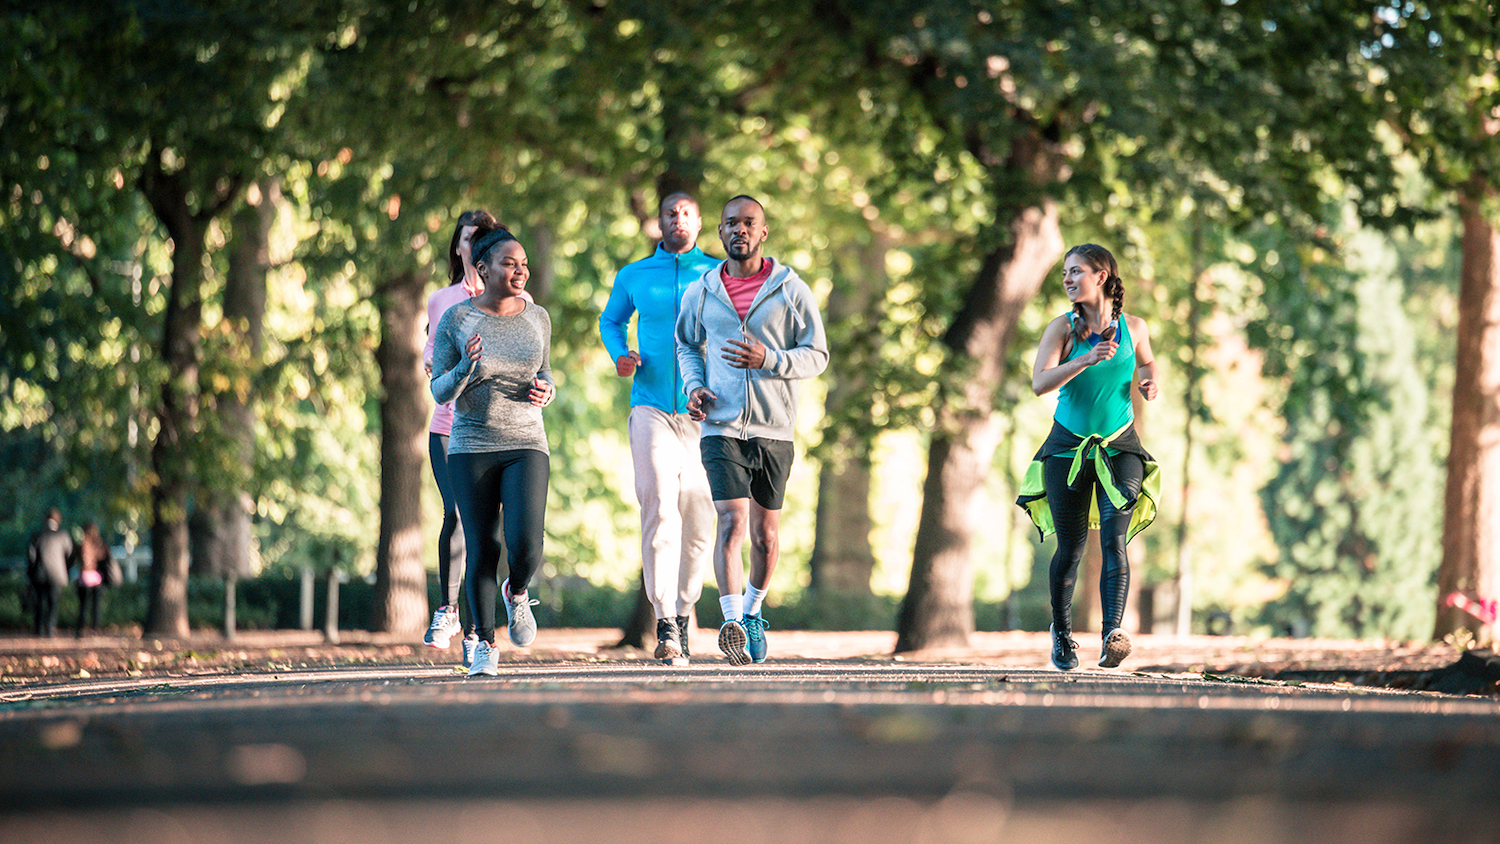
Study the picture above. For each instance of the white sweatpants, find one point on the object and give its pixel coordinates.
(677, 510)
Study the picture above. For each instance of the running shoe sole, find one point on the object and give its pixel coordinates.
(1116, 648)
(732, 643)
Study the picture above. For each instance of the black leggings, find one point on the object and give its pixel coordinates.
(507, 488)
(1070, 515)
(451, 537)
(88, 607)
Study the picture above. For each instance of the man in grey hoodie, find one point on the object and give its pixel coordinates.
(747, 329)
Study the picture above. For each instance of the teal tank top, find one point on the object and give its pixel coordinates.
(1097, 400)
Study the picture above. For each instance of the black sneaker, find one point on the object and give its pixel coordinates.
(682, 634)
(668, 641)
(1064, 650)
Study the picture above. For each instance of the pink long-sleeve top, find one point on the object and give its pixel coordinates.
(437, 305)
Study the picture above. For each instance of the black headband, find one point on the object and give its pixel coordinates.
(489, 241)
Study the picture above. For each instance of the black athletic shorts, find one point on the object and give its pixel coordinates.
(755, 468)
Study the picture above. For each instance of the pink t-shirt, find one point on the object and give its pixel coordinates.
(742, 290)
(437, 305)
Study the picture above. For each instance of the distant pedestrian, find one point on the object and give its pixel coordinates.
(492, 359)
(1092, 470)
(47, 571)
(96, 569)
(749, 328)
(463, 283)
(677, 510)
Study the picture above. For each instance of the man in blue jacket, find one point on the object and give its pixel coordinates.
(677, 517)
(748, 329)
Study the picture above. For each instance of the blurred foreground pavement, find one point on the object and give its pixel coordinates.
(282, 737)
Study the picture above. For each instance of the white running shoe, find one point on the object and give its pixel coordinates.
(471, 644)
(521, 624)
(486, 660)
(444, 627)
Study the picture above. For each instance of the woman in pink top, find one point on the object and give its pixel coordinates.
(463, 283)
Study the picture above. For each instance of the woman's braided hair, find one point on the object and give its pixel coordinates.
(1098, 258)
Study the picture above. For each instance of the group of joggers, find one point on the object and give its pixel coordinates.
(719, 345)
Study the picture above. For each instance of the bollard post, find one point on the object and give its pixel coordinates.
(229, 599)
(331, 620)
(309, 581)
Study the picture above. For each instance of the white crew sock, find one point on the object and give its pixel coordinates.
(754, 598)
(730, 605)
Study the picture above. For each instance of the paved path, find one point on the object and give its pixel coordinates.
(831, 741)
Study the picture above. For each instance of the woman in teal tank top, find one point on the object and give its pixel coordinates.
(1092, 470)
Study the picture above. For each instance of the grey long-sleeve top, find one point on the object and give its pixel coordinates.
(492, 409)
(752, 402)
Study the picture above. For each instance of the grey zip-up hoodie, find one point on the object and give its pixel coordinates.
(751, 402)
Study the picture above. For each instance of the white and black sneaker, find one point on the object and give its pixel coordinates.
(471, 644)
(1116, 648)
(683, 623)
(669, 642)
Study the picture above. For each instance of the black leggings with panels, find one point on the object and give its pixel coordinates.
(1070, 515)
(451, 549)
(506, 489)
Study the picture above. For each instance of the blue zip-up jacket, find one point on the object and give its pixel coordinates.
(652, 287)
(751, 402)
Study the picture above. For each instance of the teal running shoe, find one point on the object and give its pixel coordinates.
(755, 637)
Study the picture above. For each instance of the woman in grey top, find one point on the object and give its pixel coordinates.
(492, 358)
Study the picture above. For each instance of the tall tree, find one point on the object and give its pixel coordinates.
(842, 558)
(220, 526)
(1438, 81)
(1356, 406)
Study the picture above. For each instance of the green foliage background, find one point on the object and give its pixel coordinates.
(1325, 359)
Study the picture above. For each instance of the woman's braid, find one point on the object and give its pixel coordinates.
(1119, 297)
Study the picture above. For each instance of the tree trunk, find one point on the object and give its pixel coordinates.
(1191, 401)
(400, 576)
(539, 249)
(641, 622)
(1471, 527)
(177, 412)
(938, 610)
(842, 559)
(221, 535)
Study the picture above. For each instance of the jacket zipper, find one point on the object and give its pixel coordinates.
(745, 330)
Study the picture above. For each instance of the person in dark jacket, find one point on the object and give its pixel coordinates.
(47, 571)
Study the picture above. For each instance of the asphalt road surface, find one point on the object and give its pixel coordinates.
(581, 748)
